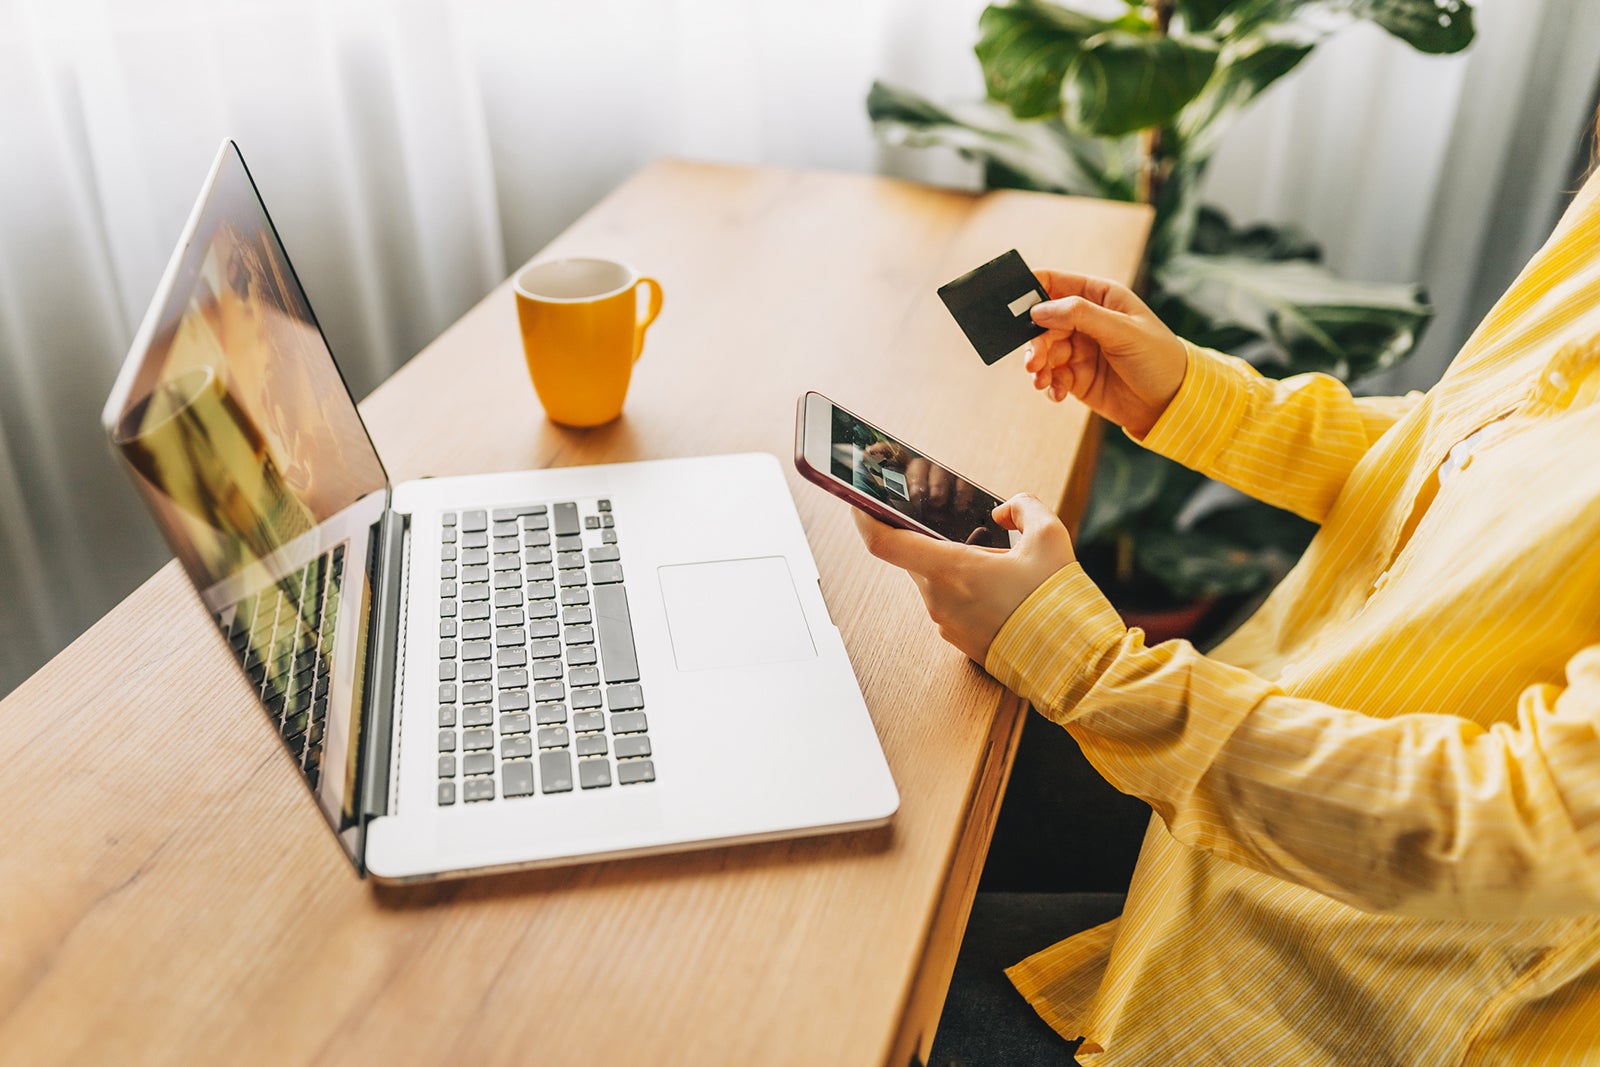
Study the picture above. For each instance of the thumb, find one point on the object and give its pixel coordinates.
(1074, 313)
(1024, 512)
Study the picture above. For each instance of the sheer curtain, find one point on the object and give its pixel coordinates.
(412, 153)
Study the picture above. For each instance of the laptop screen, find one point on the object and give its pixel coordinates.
(240, 434)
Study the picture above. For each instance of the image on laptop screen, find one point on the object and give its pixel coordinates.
(246, 445)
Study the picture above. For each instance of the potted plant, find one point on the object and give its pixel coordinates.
(1132, 106)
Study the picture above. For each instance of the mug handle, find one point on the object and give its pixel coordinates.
(650, 313)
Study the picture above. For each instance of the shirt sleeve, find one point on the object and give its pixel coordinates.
(1427, 815)
(1291, 443)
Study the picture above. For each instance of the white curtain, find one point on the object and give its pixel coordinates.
(413, 153)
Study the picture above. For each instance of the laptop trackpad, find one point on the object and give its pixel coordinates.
(734, 613)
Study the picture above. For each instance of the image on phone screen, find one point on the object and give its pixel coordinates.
(908, 482)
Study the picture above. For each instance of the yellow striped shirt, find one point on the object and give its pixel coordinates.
(1377, 806)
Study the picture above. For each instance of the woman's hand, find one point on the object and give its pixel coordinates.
(1106, 348)
(971, 592)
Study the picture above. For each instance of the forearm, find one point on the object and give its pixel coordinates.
(1424, 815)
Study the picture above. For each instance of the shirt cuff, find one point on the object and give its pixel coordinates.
(1054, 646)
(1207, 409)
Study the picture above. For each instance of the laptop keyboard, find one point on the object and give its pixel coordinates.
(538, 678)
(283, 637)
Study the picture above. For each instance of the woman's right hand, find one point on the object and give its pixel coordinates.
(1105, 347)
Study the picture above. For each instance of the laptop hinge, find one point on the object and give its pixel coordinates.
(385, 663)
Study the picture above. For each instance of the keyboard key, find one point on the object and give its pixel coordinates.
(474, 574)
(602, 505)
(474, 557)
(507, 598)
(582, 656)
(518, 778)
(477, 539)
(569, 543)
(505, 548)
(607, 521)
(477, 693)
(543, 628)
(608, 537)
(518, 747)
(583, 676)
(477, 763)
(624, 697)
(479, 671)
(570, 561)
(536, 556)
(629, 722)
(511, 657)
(447, 570)
(447, 649)
(508, 580)
(591, 522)
(447, 766)
(616, 634)
(472, 594)
(447, 794)
(585, 722)
(635, 770)
(474, 612)
(477, 789)
(555, 771)
(515, 678)
(632, 745)
(564, 518)
(447, 553)
(579, 635)
(447, 740)
(447, 693)
(514, 636)
(476, 631)
(447, 589)
(546, 670)
(591, 744)
(551, 714)
(447, 671)
(536, 538)
(474, 520)
(508, 616)
(574, 597)
(448, 536)
(594, 773)
(509, 514)
(605, 573)
(447, 715)
(540, 590)
(604, 554)
(514, 700)
(544, 649)
(539, 572)
(517, 722)
(572, 579)
(503, 529)
(447, 627)
(544, 692)
(476, 740)
(477, 715)
(576, 616)
(448, 518)
(553, 737)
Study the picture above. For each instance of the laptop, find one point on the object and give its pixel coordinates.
(490, 672)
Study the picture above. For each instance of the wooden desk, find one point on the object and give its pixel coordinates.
(168, 893)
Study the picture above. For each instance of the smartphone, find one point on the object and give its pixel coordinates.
(888, 479)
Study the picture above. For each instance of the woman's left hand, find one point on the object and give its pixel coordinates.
(970, 592)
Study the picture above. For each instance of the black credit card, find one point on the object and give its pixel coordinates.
(991, 305)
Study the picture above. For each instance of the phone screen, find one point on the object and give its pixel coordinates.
(899, 476)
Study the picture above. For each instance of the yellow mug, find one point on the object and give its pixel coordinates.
(582, 332)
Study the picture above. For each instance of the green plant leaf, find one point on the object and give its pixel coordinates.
(1194, 565)
(1201, 15)
(1126, 482)
(1119, 82)
(1040, 155)
(1247, 65)
(1433, 26)
(1311, 319)
(1025, 49)
(1216, 235)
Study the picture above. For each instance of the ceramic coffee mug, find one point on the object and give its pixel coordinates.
(582, 331)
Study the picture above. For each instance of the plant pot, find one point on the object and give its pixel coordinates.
(1165, 623)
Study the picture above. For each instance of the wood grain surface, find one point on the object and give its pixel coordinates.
(168, 892)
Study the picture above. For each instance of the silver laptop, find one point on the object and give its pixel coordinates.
(486, 672)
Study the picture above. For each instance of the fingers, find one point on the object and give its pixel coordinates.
(1025, 512)
(1077, 314)
(914, 552)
